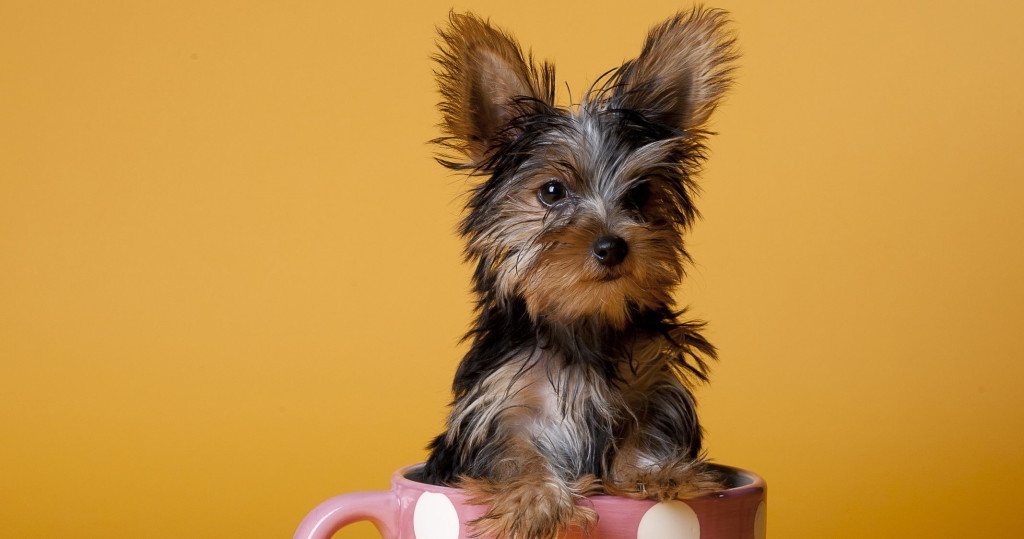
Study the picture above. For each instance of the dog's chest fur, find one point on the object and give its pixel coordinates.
(560, 406)
(572, 410)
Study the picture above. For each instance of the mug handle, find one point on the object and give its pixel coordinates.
(377, 506)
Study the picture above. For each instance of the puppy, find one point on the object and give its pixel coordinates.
(579, 372)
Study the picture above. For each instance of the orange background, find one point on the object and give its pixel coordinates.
(230, 285)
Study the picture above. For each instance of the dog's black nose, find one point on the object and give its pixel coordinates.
(610, 250)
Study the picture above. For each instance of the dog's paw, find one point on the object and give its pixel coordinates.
(679, 479)
(530, 508)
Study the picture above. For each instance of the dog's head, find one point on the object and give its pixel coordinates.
(580, 210)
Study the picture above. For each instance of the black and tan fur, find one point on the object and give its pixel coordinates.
(579, 372)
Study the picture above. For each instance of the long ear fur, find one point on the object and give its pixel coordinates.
(682, 72)
(485, 83)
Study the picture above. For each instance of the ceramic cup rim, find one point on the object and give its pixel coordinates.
(750, 483)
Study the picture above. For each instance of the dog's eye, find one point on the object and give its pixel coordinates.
(637, 197)
(551, 192)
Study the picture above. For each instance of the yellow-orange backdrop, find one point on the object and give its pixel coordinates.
(230, 286)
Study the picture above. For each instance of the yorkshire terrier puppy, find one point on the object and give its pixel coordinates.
(580, 369)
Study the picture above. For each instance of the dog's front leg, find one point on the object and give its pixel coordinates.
(510, 445)
(526, 498)
(659, 456)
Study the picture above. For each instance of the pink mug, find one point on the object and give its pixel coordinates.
(414, 510)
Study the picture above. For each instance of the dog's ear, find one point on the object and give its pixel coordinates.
(682, 72)
(486, 82)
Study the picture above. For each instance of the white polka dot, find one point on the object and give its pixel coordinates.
(435, 517)
(761, 521)
(673, 519)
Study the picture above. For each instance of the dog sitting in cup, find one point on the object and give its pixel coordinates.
(579, 374)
